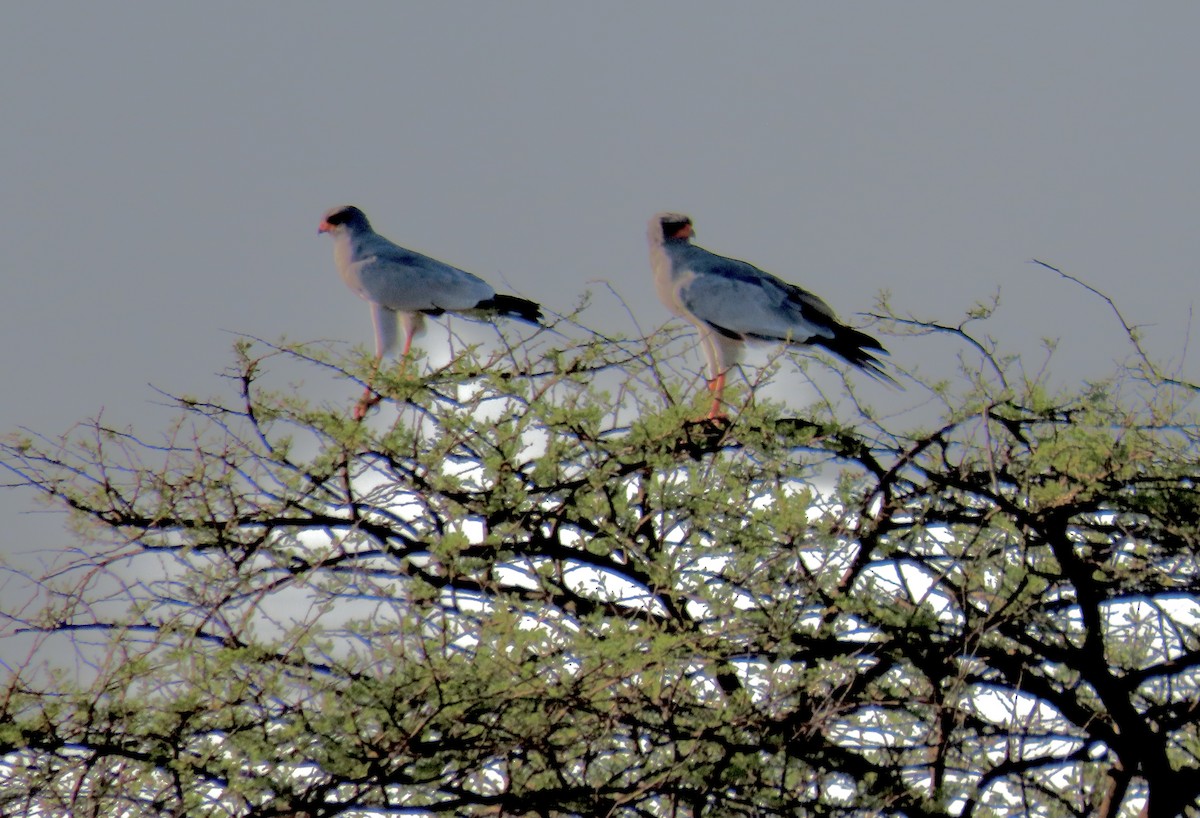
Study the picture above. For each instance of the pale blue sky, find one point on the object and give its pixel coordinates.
(165, 166)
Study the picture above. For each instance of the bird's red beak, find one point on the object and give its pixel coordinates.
(684, 232)
(325, 227)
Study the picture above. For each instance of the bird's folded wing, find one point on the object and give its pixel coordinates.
(416, 282)
(739, 299)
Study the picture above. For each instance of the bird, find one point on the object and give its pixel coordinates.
(732, 302)
(404, 284)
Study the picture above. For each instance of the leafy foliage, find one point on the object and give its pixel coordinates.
(535, 586)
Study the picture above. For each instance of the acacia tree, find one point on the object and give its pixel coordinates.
(534, 585)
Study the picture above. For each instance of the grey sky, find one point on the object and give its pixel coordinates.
(165, 167)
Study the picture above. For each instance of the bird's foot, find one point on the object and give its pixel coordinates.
(716, 417)
(365, 403)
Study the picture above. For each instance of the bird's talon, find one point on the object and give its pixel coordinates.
(365, 403)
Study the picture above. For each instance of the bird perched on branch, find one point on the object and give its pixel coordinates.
(404, 284)
(732, 302)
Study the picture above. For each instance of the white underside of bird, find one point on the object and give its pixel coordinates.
(732, 302)
(404, 286)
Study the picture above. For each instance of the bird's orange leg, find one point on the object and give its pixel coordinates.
(717, 387)
(370, 397)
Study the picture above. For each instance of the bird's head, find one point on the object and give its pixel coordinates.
(344, 217)
(671, 227)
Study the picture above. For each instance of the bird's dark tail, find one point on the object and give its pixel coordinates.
(514, 307)
(852, 346)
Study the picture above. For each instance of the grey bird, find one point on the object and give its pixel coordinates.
(406, 285)
(732, 302)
